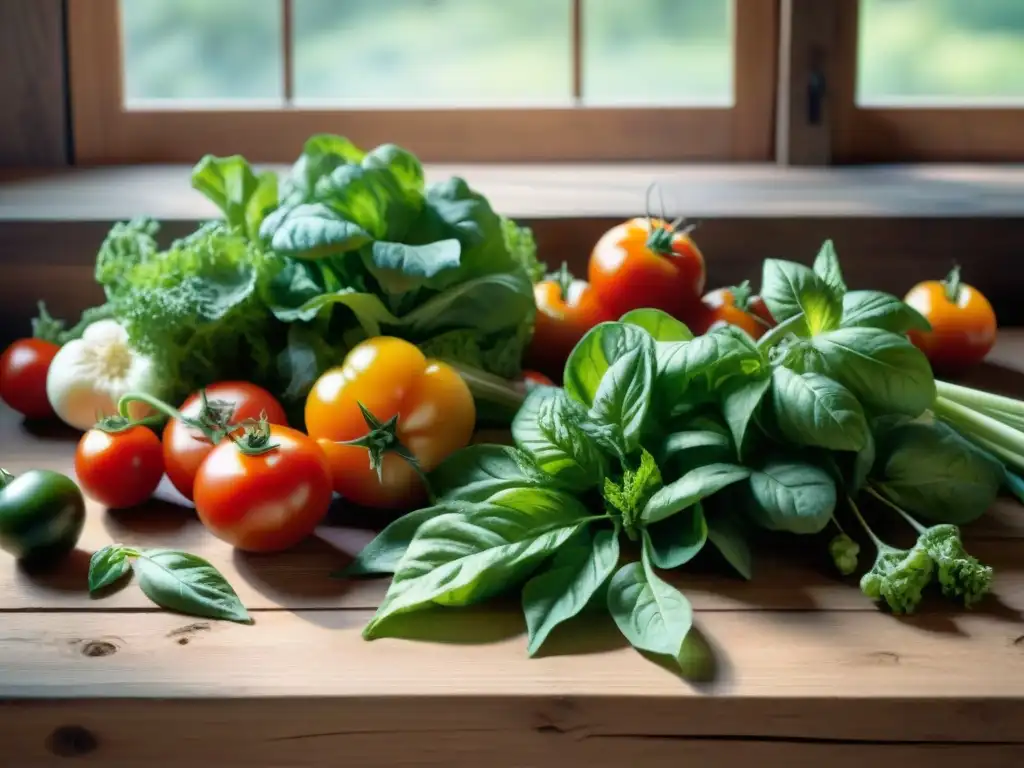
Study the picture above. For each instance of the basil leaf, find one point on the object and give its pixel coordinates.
(623, 396)
(681, 452)
(660, 325)
(811, 409)
(561, 592)
(636, 487)
(462, 558)
(740, 406)
(477, 472)
(383, 554)
(725, 532)
(107, 566)
(652, 615)
(789, 289)
(542, 503)
(883, 370)
(677, 540)
(874, 309)
(547, 428)
(930, 470)
(188, 584)
(595, 353)
(311, 231)
(791, 496)
(691, 488)
(699, 367)
(826, 266)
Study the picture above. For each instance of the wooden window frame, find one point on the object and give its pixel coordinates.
(911, 134)
(107, 133)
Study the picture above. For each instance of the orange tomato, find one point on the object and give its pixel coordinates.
(566, 310)
(432, 407)
(962, 319)
(23, 369)
(119, 469)
(734, 306)
(265, 502)
(647, 263)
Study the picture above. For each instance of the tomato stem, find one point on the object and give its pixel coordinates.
(383, 439)
(255, 438)
(953, 285)
(564, 278)
(213, 420)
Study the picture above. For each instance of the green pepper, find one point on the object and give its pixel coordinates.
(41, 515)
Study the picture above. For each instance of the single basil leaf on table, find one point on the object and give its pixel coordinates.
(931, 471)
(107, 566)
(789, 288)
(875, 309)
(660, 325)
(477, 472)
(826, 266)
(691, 488)
(740, 405)
(547, 428)
(811, 409)
(596, 352)
(726, 534)
(383, 554)
(883, 370)
(559, 593)
(623, 397)
(677, 540)
(652, 615)
(462, 558)
(188, 584)
(311, 231)
(791, 496)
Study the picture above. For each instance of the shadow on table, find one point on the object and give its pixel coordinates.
(156, 518)
(68, 574)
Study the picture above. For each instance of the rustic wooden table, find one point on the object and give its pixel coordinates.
(800, 669)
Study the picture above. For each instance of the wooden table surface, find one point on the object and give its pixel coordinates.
(798, 668)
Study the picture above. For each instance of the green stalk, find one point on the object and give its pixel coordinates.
(889, 503)
(979, 400)
(879, 544)
(979, 425)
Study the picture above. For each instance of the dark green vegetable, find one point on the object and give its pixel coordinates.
(41, 515)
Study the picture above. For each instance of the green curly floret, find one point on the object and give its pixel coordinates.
(844, 551)
(960, 574)
(898, 576)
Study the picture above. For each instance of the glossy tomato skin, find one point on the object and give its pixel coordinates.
(628, 274)
(963, 331)
(119, 469)
(389, 376)
(720, 307)
(185, 448)
(23, 368)
(562, 320)
(268, 502)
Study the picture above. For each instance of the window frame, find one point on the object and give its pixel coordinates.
(105, 132)
(885, 134)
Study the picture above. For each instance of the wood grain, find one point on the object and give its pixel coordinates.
(33, 120)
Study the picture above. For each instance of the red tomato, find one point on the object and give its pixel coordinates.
(390, 378)
(119, 469)
(231, 402)
(266, 502)
(535, 379)
(963, 323)
(23, 369)
(645, 263)
(566, 310)
(734, 306)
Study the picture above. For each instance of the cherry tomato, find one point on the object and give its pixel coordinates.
(536, 379)
(231, 402)
(566, 310)
(647, 263)
(390, 378)
(265, 502)
(963, 322)
(23, 369)
(734, 306)
(119, 469)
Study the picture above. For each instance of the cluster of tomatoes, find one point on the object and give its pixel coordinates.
(641, 263)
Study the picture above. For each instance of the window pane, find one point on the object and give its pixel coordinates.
(658, 52)
(433, 52)
(202, 50)
(944, 51)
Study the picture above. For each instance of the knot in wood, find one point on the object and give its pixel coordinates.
(71, 741)
(99, 648)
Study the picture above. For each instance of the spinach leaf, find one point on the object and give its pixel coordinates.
(791, 496)
(230, 184)
(311, 231)
(371, 198)
(874, 309)
(811, 409)
(383, 554)
(691, 488)
(930, 470)
(660, 325)
(789, 289)
(477, 472)
(487, 304)
(108, 566)
(577, 572)
(462, 558)
(826, 266)
(596, 352)
(367, 308)
(399, 267)
(651, 614)
(623, 397)
(725, 532)
(884, 371)
(321, 154)
(187, 583)
(402, 164)
(741, 403)
(677, 540)
(698, 368)
(547, 428)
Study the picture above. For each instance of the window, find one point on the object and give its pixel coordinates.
(930, 79)
(454, 80)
